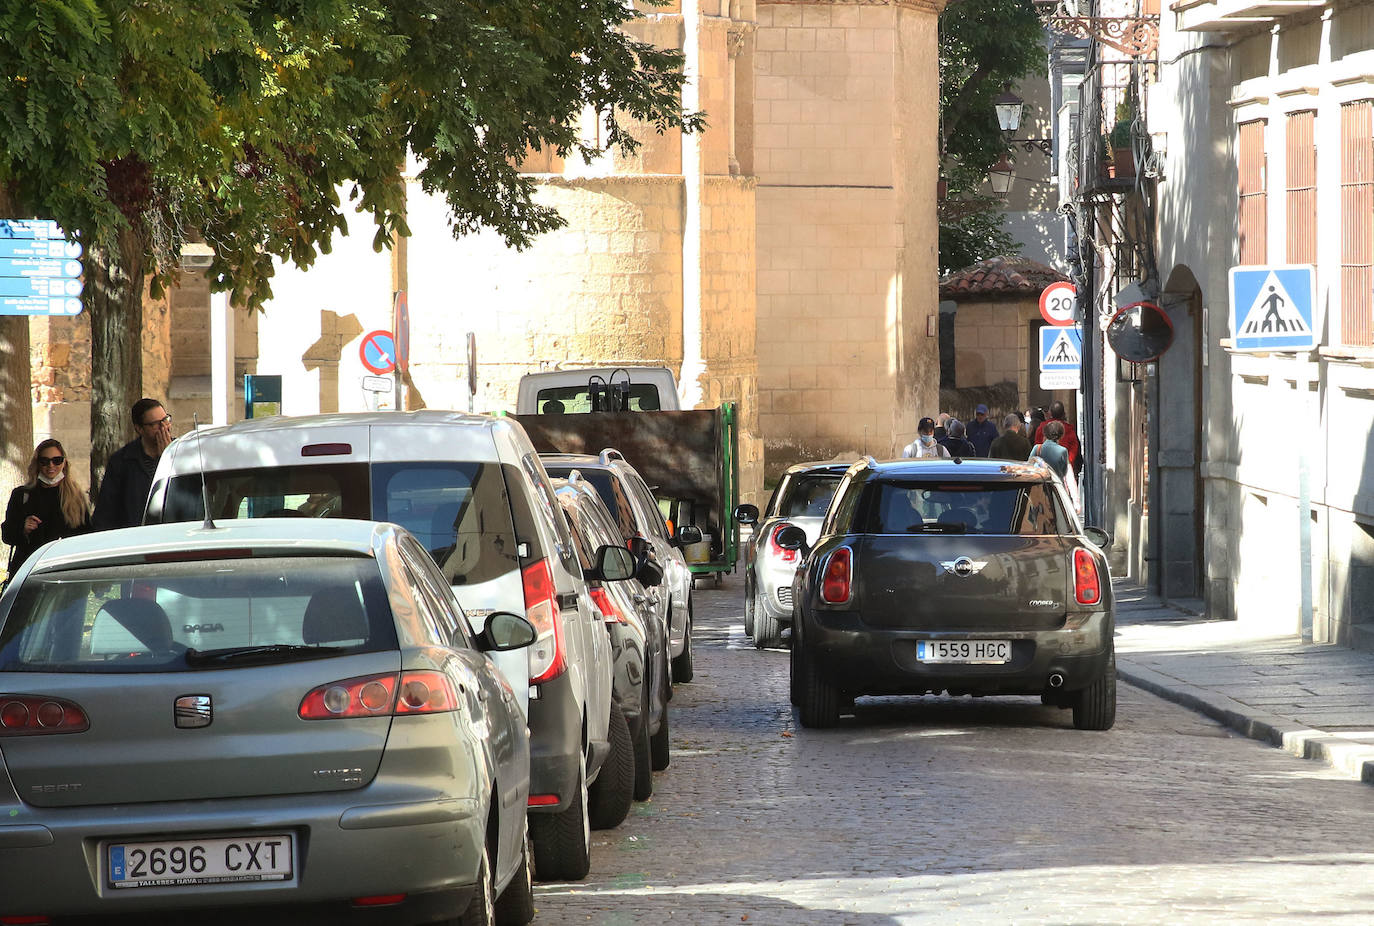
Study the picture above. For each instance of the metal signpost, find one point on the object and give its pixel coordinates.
(1273, 308)
(400, 327)
(40, 270)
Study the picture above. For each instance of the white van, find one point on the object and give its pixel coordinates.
(473, 491)
(597, 389)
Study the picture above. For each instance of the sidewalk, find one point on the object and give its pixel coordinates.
(1312, 701)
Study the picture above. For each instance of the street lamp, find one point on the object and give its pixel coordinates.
(1000, 177)
(1008, 106)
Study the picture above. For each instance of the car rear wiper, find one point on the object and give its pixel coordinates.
(265, 653)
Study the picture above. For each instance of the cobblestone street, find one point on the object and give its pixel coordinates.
(963, 811)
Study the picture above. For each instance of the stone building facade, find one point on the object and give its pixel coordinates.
(785, 258)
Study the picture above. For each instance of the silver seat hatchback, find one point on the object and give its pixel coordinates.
(268, 719)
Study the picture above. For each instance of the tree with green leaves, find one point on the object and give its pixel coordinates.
(985, 46)
(143, 124)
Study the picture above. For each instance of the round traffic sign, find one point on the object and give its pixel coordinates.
(1057, 303)
(378, 351)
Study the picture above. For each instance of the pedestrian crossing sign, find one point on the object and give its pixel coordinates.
(1272, 308)
(1061, 356)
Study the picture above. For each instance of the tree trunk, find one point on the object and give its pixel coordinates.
(16, 388)
(114, 297)
(16, 402)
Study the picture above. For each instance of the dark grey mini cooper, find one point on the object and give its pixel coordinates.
(971, 577)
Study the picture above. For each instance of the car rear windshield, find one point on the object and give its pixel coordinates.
(614, 495)
(924, 506)
(807, 495)
(457, 510)
(643, 397)
(193, 615)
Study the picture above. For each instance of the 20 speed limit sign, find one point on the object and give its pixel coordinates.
(1057, 303)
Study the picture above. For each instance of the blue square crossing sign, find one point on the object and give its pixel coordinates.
(1272, 308)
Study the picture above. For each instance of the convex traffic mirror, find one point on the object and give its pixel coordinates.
(1140, 332)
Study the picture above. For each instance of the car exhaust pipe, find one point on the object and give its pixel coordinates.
(1056, 679)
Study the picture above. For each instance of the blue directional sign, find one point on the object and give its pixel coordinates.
(1272, 307)
(40, 270)
(56, 248)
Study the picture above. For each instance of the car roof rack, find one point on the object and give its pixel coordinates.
(609, 454)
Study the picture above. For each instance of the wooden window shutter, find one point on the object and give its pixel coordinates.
(1301, 163)
(1357, 223)
(1253, 244)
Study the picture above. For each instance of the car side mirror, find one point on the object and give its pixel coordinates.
(687, 534)
(649, 573)
(747, 514)
(1098, 536)
(506, 631)
(791, 537)
(614, 563)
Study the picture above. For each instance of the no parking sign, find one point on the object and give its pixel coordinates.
(378, 352)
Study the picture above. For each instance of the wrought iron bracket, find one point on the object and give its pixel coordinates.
(1046, 145)
(1130, 35)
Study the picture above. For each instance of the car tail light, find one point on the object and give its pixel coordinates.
(36, 715)
(425, 693)
(787, 556)
(1087, 584)
(835, 581)
(542, 800)
(37, 920)
(609, 612)
(419, 692)
(548, 653)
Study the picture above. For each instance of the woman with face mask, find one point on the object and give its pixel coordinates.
(925, 444)
(49, 506)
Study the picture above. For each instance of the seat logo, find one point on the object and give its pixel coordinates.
(194, 711)
(963, 567)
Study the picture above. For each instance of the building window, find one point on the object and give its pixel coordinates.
(1253, 246)
(1357, 223)
(1302, 188)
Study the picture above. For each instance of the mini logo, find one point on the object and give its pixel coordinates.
(963, 567)
(193, 711)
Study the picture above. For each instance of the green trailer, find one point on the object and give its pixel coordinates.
(689, 458)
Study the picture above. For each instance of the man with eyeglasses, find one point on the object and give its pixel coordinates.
(129, 472)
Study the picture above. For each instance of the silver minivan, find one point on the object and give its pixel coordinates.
(473, 491)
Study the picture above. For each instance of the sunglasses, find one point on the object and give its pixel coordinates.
(51, 461)
(165, 419)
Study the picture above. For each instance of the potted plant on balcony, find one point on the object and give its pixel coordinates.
(1123, 158)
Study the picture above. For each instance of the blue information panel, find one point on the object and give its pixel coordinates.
(1272, 307)
(40, 270)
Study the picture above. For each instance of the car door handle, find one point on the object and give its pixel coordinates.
(567, 602)
(640, 597)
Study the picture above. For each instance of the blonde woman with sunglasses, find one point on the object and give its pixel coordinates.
(49, 506)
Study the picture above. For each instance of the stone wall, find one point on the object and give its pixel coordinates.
(845, 102)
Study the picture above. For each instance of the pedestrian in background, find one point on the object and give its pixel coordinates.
(50, 506)
(924, 446)
(1051, 451)
(982, 431)
(1012, 445)
(956, 443)
(1069, 441)
(1034, 418)
(129, 472)
(941, 424)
